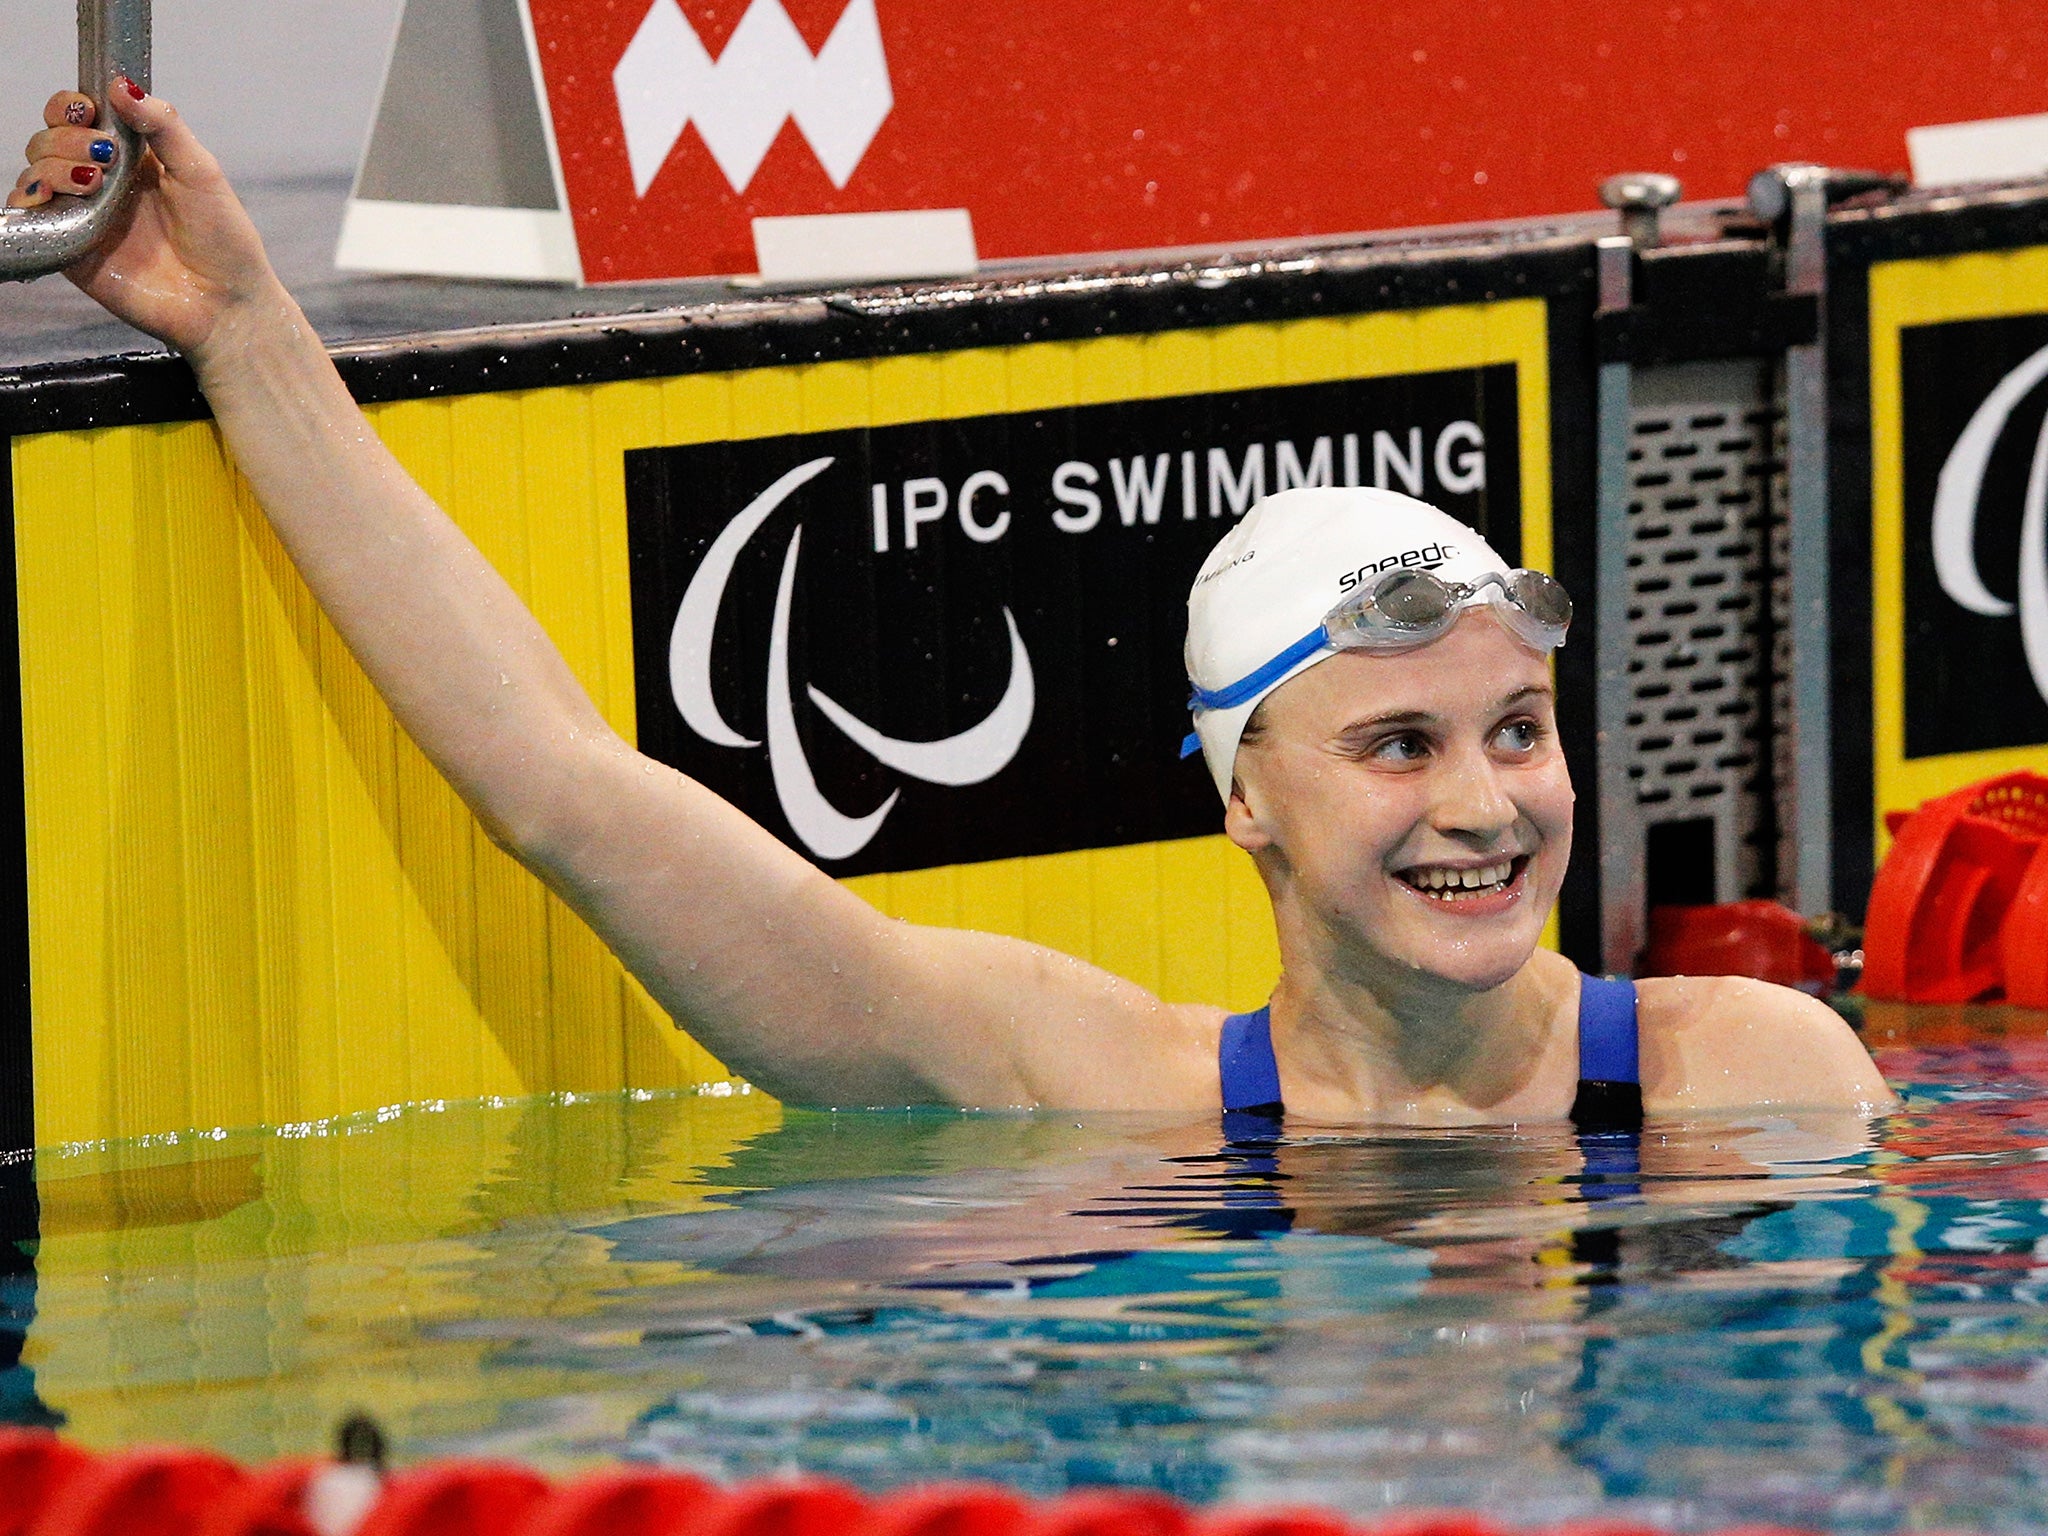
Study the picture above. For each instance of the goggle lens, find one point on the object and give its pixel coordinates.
(1407, 608)
(1413, 600)
(1542, 597)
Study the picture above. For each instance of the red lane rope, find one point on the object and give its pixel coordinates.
(49, 1487)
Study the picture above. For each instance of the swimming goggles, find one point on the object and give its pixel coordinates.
(1403, 610)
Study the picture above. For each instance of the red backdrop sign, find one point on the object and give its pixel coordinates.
(1066, 126)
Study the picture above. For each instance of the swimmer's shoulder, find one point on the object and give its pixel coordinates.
(1732, 1042)
(1167, 1060)
(1170, 1063)
(1142, 1053)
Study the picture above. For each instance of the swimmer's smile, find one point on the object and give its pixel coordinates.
(1472, 889)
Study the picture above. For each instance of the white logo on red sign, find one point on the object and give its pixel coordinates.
(1955, 518)
(739, 102)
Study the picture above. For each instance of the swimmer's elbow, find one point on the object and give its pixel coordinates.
(509, 834)
(542, 811)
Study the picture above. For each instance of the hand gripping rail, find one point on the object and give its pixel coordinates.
(113, 39)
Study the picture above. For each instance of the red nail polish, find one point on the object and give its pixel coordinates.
(131, 88)
(83, 175)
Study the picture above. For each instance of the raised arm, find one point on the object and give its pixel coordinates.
(791, 979)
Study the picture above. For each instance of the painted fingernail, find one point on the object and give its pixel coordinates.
(131, 88)
(78, 114)
(33, 189)
(83, 175)
(103, 151)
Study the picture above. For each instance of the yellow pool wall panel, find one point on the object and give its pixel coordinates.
(252, 900)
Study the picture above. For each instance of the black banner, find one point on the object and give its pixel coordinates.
(852, 597)
(1973, 395)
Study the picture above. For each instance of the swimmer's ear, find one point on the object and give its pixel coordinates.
(1241, 823)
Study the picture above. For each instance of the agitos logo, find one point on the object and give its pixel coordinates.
(1974, 397)
(1954, 525)
(948, 641)
(980, 752)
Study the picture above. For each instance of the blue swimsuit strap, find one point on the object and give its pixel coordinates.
(1608, 1056)
(1608, 1108)
(1245, 1060)
(1251, 1078)
(1607, 1031)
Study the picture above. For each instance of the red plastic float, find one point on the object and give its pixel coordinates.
(51, 1488)
(948, 1509)
(271, 1502)
(1737, 938)
(152, 1492)
(1439, 1522)
(1939, 907)
(2023, 941)
(1107, 1513)
(1272, 1522)
(632, 1501)
(807, 1508)
(34, 1469)
(455, 1498)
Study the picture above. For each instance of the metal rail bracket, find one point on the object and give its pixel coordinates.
(113, 40)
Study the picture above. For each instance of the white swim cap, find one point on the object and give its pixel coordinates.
(1270, 581)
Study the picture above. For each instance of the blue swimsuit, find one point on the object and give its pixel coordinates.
(1610, 1096)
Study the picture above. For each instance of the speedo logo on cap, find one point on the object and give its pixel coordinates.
(1427, 558)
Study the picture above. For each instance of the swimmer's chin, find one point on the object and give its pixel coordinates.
(1466, 982)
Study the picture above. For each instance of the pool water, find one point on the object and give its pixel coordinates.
(1801, 1320)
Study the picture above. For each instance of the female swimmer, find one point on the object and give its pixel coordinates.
(1395, 777)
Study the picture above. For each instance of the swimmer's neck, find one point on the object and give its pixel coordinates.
(1378, 1042)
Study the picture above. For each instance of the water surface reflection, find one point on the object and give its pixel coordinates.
(1809, 1321)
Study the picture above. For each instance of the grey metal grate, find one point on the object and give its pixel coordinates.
(1704, 478)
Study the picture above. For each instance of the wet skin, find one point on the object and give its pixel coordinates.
(1373, 772)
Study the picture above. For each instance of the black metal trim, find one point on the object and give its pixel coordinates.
(1937, 224)
(1701, 302)
(1574, 543)
(1853, 772)
(17, 1057)
(1753, 325)
(145, 388)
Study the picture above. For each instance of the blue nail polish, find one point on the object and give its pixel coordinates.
(32, 189)
(103, 151)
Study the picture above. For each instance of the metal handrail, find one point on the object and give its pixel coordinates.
(113, 39)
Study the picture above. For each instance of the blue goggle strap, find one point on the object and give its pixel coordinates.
(1252, 684)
